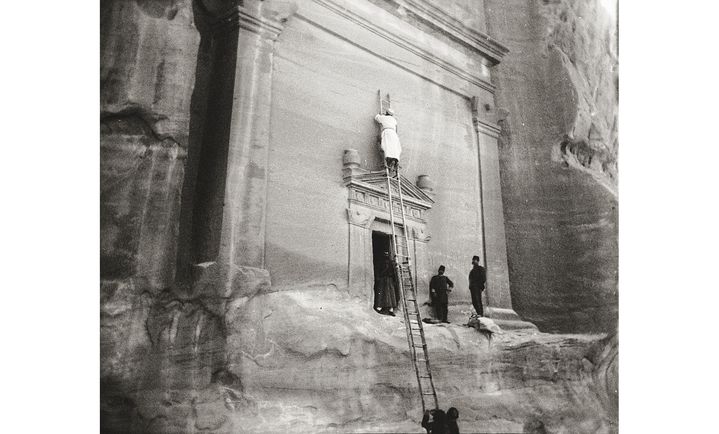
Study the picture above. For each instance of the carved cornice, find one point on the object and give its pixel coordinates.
(486, 128)
(454, 29)
(403, 43)
(362, 216)
(240, 17)
(374, 198)
(480, 125)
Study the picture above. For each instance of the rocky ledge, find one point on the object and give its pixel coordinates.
(320, 360)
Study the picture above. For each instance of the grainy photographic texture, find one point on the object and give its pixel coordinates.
(282, 180)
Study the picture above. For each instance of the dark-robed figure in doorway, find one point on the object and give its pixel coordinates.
(386, 289)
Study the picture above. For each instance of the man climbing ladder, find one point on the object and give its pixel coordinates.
(391, 148)
(410, 308)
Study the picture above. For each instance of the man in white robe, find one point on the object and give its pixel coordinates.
(390, 140)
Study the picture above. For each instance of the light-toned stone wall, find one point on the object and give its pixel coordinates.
(324, 100)
(469, 12)
(230, 353)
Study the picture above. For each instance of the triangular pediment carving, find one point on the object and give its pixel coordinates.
(368, 195)
(369, 189)
(378, 181)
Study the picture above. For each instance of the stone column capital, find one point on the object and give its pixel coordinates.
(266, 18)
(483, 126)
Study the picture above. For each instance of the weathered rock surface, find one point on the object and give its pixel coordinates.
(322, 361)
(148, 59)
(557, 100)
(315, 359)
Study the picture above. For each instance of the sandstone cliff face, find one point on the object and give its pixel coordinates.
(557, 105)
(315, 360)
(148, 59)
(322, 361)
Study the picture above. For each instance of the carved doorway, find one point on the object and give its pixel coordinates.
(369, 220)
(381, 252)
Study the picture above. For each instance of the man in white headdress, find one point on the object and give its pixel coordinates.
(390, 140)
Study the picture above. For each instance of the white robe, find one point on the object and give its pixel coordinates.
(390, 140)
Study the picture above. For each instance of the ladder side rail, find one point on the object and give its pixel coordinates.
(404, 270)
(411, 342)
(408, 328)
(423, 338)
(414, 298)
(404, 220)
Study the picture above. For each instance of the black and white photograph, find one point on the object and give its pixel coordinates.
(360, 216)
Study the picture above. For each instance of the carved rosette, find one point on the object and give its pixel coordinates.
(420, 233)
(360, 217)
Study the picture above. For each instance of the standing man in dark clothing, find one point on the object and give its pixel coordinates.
(477, 279)
(438, 288)
(386, 289)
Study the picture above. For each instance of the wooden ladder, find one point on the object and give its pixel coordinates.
(412, 319)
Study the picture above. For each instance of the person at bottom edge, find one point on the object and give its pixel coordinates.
(435, 422)
(452, 416)
(439, 286)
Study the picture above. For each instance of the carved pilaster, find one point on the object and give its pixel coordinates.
(498, 299)
(238, 129)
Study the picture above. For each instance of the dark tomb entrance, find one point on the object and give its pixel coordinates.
(386, 296)
(380, 251)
